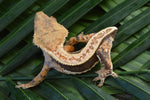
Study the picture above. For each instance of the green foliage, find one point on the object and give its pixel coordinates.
(20, 60)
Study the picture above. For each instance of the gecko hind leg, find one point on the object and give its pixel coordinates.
(103, 53)
(38, 79)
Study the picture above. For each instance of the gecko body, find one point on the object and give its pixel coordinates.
(50, 37)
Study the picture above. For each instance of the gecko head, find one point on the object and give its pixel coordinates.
(48, 33)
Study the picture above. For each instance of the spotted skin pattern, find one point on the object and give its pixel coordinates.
(63, 58)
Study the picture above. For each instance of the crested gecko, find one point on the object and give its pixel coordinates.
(50, 36)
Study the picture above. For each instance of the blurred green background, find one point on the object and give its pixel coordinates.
(20, 60)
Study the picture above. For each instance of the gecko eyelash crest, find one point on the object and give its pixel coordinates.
(50, 36)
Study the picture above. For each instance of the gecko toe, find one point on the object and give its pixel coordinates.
(101, 83)
(96, 79)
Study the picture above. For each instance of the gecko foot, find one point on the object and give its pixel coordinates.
(24, 86)
(102, 74)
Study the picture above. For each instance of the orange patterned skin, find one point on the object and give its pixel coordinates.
(50, 37)
(68, 48)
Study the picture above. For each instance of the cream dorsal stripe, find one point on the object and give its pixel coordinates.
(50, 37)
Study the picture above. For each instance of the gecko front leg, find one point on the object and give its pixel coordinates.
(103, 53)
(38, 79)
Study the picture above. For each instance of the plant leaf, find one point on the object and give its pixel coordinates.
(132, 50)
(131, 85)
(90, 92)
(14, 12)
(115, 15)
